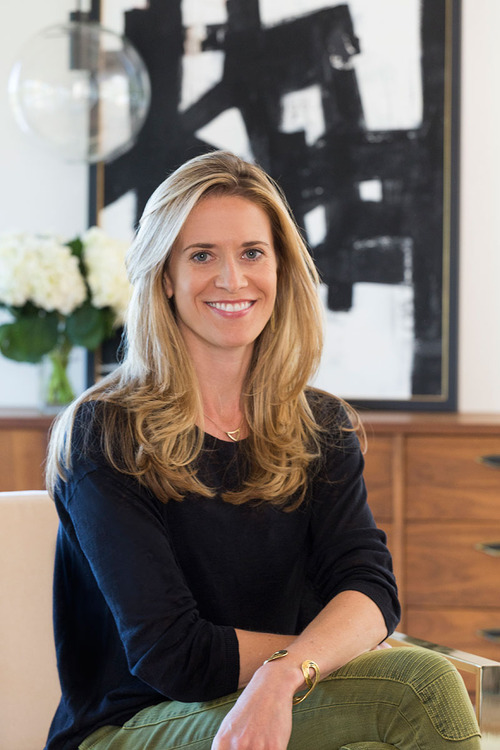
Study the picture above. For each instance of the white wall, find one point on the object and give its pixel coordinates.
(479, 358)
(37, 192)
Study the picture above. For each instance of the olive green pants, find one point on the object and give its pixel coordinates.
(402, 697)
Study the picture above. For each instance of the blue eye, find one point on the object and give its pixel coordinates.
(253, 253)
(200, 257)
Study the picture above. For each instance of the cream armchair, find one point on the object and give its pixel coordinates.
(29, 688)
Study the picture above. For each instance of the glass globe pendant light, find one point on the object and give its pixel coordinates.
(81, 90)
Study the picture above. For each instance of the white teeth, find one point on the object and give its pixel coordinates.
(230, 306)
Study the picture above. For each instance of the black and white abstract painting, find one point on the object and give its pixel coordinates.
(351, 107)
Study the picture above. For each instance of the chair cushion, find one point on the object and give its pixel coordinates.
(29, 686)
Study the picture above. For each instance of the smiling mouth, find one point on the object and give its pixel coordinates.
(231, 306)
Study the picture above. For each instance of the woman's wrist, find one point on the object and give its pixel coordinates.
(289, 676)
(284, 677)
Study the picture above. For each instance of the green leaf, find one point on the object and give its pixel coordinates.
(26, 310)
(89, 326)
(30, 338)
(76, 247)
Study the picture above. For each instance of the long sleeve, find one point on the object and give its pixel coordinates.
(121, 531)
(348, 551)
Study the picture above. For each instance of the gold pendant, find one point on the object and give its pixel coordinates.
(234, 435)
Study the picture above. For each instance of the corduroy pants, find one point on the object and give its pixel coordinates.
(404, 698)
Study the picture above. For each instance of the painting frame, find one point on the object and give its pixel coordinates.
(447, 399)
(104, 179)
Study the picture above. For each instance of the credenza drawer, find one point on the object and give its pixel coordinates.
(22, 457)
(475, 631)
(447, 477)
(453, 564)
(378, 476)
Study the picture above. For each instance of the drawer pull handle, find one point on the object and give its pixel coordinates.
(489, 548)
(490, 634)
(492, 461)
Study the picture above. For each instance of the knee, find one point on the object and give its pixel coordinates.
(411, 666)
(432, 681)
(426, 673)
(415, 667)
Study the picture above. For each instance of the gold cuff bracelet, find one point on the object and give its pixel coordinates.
(306, 666)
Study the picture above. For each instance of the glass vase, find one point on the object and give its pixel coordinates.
(57, 390)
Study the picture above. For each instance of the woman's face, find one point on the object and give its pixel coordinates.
(222, 274)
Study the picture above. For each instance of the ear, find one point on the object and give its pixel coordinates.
(167, 285)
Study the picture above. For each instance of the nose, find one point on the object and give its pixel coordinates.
(231, 276)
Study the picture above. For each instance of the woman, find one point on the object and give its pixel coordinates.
(216, 554)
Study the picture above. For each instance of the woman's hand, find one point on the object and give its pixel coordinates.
(349, 625)
(261, 719)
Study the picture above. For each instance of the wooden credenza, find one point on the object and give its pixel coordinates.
(429, 488)
(434, 488)
(23, 446)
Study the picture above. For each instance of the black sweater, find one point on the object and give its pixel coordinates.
(147, 595)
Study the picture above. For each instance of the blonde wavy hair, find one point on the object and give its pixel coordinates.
(150, 405)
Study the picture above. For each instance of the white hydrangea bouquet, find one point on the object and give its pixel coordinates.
(59, 295)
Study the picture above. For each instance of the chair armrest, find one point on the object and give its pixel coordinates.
(487, 674)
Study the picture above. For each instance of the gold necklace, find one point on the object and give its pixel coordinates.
(233, 435)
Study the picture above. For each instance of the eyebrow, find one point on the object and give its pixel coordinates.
(202, 245)
(210, 245)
